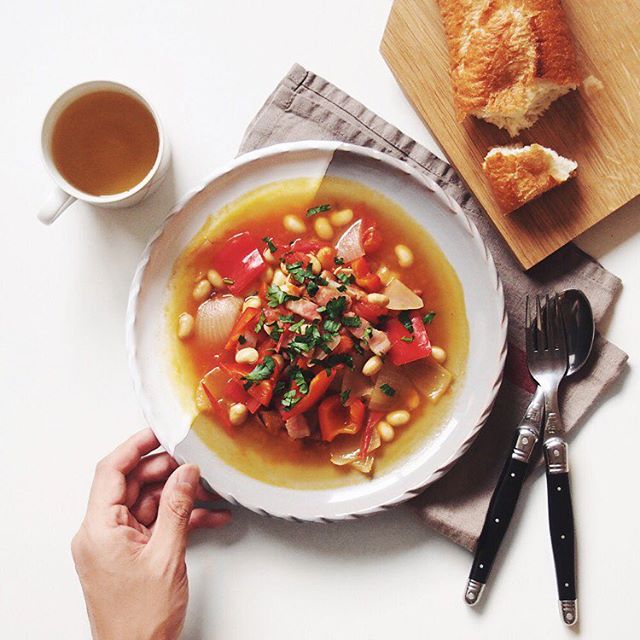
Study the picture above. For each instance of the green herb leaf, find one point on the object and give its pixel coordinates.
(276, 296)
(333, 326)
(228, 281)
(387, 389)
(319, 209)
(407, 338)
(346, 278)
(269, 242)
(260, 322)
(351, 321)
(338, 261)
(368, 332)
(405, 320)
(344, 396)
(300, 381)
(335, 359)
(290, 399)
(261, 371)
(428, 319)
(335, 307)
(358, 347)
(241, 339)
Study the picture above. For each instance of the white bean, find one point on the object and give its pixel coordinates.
(398, 418)
(413, 400)
(378, 298)
(439, 354)
(316, 267)
(248, 355)
(294, 224)
(202, 290)
(215, 279)
(252, 302)
(372, 366)
(238, 414)
(404, 255)
(385, 431)
(323, 228)
(279, 278)
(341, 218)
(269, 257)
(185, 325)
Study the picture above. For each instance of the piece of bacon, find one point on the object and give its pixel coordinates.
(324, 294)
(305, 308)
(358, 332)
(297, 427)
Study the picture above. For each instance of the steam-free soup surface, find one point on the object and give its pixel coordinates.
(426, 386)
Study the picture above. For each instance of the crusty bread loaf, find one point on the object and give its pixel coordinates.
(510, 59)
(519, 174)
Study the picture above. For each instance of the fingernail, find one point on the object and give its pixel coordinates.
(188, 474)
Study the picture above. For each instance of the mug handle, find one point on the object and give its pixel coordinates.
(56, 203)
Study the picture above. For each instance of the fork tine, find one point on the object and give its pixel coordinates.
(541, 337)
(561, 342)
(529, 331)
(551, 311)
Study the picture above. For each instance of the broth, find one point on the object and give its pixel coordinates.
(277, 459)
(105, 143)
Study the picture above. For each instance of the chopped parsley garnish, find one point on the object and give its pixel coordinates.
(405, 320)
(269, 242)
(260, 322)
(290, 399)
(428, 319)
(261, 371)
(280, 387)
(276, 296)
(319, 209)
(300, 381)
(333, 326)
(344, 396)
(351, 321)
(387, 389)
(335, 307)
(288, 319)
(338, 260)
(358, 347)
(341, 288)
(368, 332)
(228, 281)
(296, 326)
(335, 359)
(242, 339)
(407, 338)
(346, 278)
(276, 331)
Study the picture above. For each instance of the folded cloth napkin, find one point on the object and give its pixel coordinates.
(307, 107)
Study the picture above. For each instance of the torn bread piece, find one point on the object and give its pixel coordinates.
(519, 174)
(510, 59)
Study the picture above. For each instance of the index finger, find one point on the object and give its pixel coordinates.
(109, 482)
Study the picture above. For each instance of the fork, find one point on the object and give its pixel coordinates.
(547, 359)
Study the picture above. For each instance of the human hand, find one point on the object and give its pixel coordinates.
(130, 549)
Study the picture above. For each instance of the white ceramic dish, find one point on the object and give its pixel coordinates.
(148, 334)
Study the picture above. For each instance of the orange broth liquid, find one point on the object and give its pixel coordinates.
(305, 464)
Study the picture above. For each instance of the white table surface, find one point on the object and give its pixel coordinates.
(65, 392)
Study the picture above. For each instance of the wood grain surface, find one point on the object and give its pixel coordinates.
(600, 130)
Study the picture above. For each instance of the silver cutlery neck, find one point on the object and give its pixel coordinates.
(569, 611)
(474, 592)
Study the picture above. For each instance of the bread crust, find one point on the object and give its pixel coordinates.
(517, 178)
(504, 53)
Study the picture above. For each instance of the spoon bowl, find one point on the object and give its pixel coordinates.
(579, 328)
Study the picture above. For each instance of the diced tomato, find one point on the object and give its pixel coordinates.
(369, 311)
(240, 259)
(344, 346)
(364, 278)
(415, 346)
(372, 420)
(371, 238)
(317, 388)
(246, 322)
(335, 418)
(327, 258)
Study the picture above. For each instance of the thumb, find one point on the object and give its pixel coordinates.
(174, 510)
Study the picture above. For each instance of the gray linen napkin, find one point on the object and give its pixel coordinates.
(307, 107)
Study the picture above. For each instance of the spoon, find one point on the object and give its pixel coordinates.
(580, 331)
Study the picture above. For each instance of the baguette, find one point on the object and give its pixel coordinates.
(510, 59)
(519, 174)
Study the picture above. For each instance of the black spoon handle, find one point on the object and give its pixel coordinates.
(501, 508)
(561, 526)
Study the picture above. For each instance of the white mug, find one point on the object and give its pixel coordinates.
(64, 193)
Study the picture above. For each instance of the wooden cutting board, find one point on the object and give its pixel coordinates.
(601, 130)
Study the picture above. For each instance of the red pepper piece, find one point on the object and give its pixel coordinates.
(372, 421)
(246, 322)
(415, 346)
(336, 419)
(317, 388)
(371, 238)
(234, 391)
(240, 259)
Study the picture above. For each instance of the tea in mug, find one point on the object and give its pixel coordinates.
(105, 143)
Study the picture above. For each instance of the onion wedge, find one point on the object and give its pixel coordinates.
(401, 298)
(349, 246)
(215, 319)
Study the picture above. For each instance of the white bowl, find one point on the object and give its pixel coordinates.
(148, 335)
